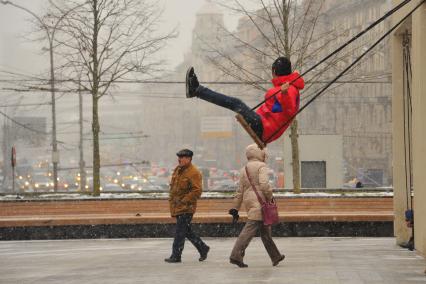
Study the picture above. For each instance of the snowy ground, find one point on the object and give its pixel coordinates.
(308, 260)
(164, 195)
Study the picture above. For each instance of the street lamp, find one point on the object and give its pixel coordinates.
(50, 33)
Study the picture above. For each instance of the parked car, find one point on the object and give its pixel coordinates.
(111, 187)
(42, 183)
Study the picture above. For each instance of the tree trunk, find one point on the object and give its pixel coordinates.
(96, 154)
(95, 99)
(295, 156)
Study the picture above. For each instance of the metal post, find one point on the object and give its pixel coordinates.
(55, 153)
(82, 163)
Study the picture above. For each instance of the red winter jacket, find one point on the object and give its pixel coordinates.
(289, 101)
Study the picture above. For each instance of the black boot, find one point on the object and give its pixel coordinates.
(172, 260)
(239, 263)
(279, 260)
(191, 83)
(203, 255)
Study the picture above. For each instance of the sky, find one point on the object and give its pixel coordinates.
(16, 52)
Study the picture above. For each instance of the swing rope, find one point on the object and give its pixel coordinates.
(407, 76)
(378, 21)
(344, 71)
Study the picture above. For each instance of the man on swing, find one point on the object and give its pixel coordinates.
(274, 116)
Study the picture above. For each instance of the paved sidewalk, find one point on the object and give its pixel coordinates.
(308, 260)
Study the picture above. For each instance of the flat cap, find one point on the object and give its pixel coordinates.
(185, 153)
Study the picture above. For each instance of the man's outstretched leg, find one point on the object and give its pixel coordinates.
(194, 89)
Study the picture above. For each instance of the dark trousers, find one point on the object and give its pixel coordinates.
(234, 104)
(247, 234)
(183, 230)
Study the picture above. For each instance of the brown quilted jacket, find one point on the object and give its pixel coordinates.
(185, 189)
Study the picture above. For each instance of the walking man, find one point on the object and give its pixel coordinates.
(185, 189)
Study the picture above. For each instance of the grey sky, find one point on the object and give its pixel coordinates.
(17, 55)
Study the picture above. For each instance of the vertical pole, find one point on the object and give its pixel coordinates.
(82, 163)
(55, 154)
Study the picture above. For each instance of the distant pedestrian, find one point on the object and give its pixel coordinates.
(258, 172)
(185, 189)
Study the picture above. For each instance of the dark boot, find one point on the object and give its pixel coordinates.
(203, 255)
(172, 260)
(279, 260)
(238, 263)
(191, 83)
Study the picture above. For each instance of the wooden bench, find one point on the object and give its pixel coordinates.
(142, 211)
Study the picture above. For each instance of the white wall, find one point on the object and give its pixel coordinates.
(328, 148)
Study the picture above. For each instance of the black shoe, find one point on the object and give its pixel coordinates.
(191, 83)
(203, 255)
(279, 260)
(172, 260)
(239, 263)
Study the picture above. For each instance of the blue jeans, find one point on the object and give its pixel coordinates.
(183, 230)
(234, 104)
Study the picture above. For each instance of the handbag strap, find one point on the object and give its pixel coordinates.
(254, 188)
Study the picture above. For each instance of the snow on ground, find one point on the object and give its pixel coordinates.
(164, 195)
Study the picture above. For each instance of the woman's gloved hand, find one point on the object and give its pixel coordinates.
(235, 216)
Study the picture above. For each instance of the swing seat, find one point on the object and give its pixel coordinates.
(250, 131)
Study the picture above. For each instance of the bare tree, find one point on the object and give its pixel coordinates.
(274, 28)
(106, 41)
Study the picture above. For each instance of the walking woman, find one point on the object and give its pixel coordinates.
(258, 172)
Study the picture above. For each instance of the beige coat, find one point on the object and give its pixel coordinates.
(258, 172)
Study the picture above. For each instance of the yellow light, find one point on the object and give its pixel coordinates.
(36, 185)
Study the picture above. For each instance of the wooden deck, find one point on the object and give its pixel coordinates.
(142, 211)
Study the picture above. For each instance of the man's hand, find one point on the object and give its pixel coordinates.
(284, 87)
(235, 216)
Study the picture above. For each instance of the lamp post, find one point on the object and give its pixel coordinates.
(50, 33)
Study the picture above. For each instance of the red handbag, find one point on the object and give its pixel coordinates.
(269, 209)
